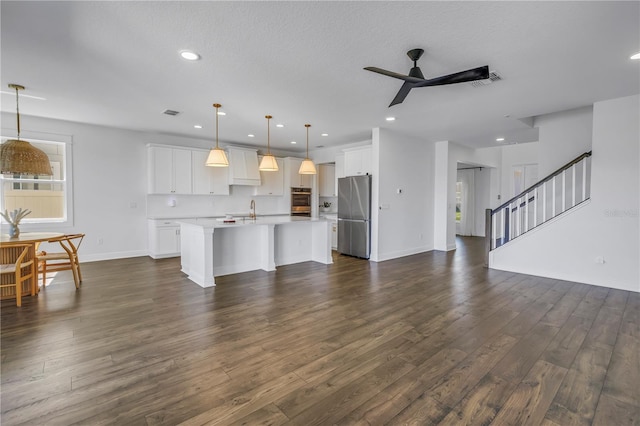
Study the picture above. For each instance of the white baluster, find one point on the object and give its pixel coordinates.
(535, 206)
(564, 191)
(544, 201)
(526, 213)
(584, 178)
(553, 198)
(573, 189)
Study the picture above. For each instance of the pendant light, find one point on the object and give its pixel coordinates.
(307, 167)
(217, 157)
(20, 157)
(268, 163)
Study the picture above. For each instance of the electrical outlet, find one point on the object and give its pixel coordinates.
(100, 241)
(600, 260)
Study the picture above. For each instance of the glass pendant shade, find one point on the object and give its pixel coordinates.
(217, 156)
(268, 163)
(307, 167)
(19, 157)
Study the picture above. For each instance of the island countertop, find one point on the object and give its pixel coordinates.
(209, 222)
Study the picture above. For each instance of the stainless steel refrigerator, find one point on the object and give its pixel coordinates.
(354, 216)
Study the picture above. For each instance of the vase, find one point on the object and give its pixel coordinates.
(14, 231)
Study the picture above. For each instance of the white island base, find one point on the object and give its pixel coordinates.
(210, 248)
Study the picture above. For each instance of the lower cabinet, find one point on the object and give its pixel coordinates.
(163, 238)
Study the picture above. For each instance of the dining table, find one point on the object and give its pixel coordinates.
(34, 239)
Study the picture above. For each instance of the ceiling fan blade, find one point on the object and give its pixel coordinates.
(479, 73)
(402, 93)
(394, 75)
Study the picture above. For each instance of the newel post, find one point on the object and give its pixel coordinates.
(488, 232)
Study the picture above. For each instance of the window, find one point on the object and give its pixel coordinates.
(48, 197)
(458, 201)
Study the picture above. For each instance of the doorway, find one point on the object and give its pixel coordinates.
(472, 198)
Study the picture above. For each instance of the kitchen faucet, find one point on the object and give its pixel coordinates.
(252, 207)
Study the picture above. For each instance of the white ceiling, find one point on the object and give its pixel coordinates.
(117, 64)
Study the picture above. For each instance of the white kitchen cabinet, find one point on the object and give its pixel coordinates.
(163, 238)
(243, 166)
(208, 180)
(272, 182)
(169, 170)
(327, 179)
(296, 179)
(357, 161)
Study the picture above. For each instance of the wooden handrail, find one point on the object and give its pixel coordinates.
(546, 179)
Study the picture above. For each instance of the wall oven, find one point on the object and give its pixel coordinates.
(301, 202)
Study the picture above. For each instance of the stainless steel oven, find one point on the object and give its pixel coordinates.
(301, 202)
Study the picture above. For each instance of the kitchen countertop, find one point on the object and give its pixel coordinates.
(200, 216)
(260, 220)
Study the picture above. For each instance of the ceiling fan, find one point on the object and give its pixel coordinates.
(416, 79)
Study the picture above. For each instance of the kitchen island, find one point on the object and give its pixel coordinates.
(210, 247)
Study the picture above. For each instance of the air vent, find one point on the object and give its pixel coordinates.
(493, 77)
(170, 112)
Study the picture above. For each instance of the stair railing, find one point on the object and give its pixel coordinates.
(557, 193)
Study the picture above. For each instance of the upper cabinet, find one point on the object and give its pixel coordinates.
(357, 161)
(272, 182)
(208, 180)
(296, 180)
(243, 166)
(327, 179)
(169, 170)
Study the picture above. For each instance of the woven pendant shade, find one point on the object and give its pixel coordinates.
(21, 158)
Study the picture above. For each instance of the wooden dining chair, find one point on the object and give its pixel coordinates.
(15, 272)
(62, 261)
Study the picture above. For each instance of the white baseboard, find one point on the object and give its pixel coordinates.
(401, 253)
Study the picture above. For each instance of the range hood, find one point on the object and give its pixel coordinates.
(243, 166)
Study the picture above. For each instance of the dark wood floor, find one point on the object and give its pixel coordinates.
(428, 339)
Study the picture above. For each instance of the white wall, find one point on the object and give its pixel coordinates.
(607, 227)
(406, 226)
(563, 136)
(512, 155)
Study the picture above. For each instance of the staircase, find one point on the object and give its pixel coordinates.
(556, 194)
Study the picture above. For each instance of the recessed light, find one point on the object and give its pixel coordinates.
(197, 126)
(390, 118)
(222, 113)
(293, 142)
(500, 140)
(189, 55)
(279, 125)
(325, 134)
(251, 136)
(636, 56)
